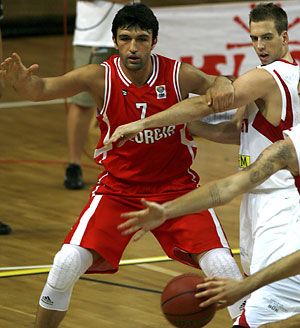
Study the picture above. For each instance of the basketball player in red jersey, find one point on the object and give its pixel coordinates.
(155, 164)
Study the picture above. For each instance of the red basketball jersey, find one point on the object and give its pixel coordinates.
(158, 156)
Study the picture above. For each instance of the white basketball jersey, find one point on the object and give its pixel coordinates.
(257, 133)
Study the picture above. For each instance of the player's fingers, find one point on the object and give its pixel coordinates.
(16, 58)
(6, 64)
(206, 279)
(10, 66)
(133, 215)
(220, 304)
(115, 137)
(131, 230)
(33, 68)
(230, 101)
(144, 201)
(205, 293)
(16, 61)
(139, 235)
(108, 143)
(147, 203)
(213, 282)
(209, 99)
(128, 223)
(123, 140)
(3, 65)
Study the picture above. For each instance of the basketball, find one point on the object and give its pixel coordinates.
(179, 305)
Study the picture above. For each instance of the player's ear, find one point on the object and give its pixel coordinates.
(154, 43)
(285, 38)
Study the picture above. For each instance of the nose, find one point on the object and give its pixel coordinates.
(260, 44)
(133, 47)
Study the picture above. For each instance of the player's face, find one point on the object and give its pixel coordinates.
(135, 46)
(267, 43)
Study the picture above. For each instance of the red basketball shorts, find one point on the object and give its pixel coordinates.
(96, 228)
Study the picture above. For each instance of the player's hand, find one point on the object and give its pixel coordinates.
(142, 221)
(220, 95)
(123, 133)
(222, 291)
(14, 72)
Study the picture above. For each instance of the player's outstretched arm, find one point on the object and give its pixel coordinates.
(32, 87)
(215, 91)
(185, 111)
(248, 87)
(278, 156)
(16, 74)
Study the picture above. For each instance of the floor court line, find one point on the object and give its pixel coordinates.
(35, 269)
(159, 269)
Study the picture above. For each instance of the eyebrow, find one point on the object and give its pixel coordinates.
(263, 35)
(143, 33)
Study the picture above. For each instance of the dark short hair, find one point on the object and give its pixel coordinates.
(135, 15)
(270, 11)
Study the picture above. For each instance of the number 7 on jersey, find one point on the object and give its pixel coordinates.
(143, 108)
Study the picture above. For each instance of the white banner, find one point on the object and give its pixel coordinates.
(215, 37)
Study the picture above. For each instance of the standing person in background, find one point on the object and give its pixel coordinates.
(92, 44)
(4, 228)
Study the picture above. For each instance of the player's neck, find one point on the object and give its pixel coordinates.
(287, 57)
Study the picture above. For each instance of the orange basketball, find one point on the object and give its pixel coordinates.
(179, 305)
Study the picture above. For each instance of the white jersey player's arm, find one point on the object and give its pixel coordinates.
(224, 132)
(280, 155)
(253, 85)
(227, 132)
(227, 291)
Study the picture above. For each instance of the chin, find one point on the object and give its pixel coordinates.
(266, 61)
(134, 67)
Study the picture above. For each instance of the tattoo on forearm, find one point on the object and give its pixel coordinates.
(215, 195)
(268, 163)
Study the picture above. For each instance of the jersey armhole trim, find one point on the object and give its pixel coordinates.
(107, 88)
(176, 80)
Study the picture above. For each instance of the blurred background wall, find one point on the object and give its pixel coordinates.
(42, 17)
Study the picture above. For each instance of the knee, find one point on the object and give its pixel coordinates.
(69, 264)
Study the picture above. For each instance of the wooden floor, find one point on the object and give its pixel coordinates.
(34, 202)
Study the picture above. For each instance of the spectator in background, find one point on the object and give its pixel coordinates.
(92, 44)
(4, 228)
